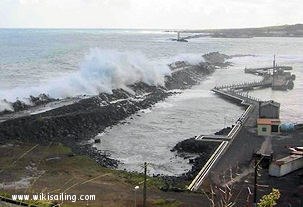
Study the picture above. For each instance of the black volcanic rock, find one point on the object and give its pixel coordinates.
(41, 99)
(224, 131)
(216, 58)
(19, 105)
(194, 146)
(87, 117)
(201, 151)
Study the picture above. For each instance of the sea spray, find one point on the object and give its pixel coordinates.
(100, 71)
(191, 58)
(5, 106)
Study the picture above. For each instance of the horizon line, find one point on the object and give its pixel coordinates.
(163, 29)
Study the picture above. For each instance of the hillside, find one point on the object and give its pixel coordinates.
(271, 31)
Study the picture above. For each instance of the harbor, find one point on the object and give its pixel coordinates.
(256, 111)
(151, 103)
(158, 119)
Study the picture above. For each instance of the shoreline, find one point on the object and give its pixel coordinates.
(84, 119)
(198, 153)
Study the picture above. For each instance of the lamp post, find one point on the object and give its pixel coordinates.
(257, 163)
(225, 119)
(135, 189)
(144, 184)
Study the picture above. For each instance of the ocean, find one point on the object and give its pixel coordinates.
(75, 62)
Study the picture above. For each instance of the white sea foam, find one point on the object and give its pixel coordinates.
(193, 94)
(100, 71)
(146, 111)
(192, 58)
(163, 104)
(5, 106)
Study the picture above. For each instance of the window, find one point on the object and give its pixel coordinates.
(275, 128)
(264, 129)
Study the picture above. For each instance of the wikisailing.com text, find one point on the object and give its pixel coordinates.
(54, 197)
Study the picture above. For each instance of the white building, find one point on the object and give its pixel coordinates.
(286, 165)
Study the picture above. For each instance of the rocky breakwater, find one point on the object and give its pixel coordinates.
(86, 118)
(202, 151)
(18, 105)
(199, 152)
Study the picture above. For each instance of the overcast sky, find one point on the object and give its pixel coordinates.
(156, 14)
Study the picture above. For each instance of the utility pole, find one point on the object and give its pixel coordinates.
(255, 183)
(135, 189)
(273, 71)
(144, 185)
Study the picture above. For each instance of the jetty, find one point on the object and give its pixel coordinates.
(278, 76)
(238, 94)
(251, 111)
(179, 38)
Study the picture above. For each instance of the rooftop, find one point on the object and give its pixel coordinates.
(268, 121)
(287, 159)
(271, 102)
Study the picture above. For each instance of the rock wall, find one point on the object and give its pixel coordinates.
(86, 118)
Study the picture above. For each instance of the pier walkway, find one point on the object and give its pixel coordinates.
(277, 79)
(266, 82)
(236, 93)
(265, 70)
(212, 138)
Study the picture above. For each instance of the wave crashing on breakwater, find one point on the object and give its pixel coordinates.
(82, 120)
(100, 71)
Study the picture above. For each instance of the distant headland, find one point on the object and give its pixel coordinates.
(295, 30)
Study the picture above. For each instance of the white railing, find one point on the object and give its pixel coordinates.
(196, 183)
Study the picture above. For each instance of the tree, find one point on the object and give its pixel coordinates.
(270, 200)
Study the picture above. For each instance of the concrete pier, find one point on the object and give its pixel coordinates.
(235, 93)
(239, 97)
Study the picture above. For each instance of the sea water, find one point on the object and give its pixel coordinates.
(37, 61)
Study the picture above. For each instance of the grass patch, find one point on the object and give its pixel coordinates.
(135, 178)
(61, 171)
(166, 203)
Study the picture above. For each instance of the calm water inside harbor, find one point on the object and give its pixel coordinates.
(29, 59)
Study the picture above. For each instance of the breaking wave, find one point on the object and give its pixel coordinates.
(100, 71)
(4, 105)
(191, 58)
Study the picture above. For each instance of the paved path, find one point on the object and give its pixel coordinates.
(252, 104)
(248, 118)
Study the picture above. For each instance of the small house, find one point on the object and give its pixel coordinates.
(269, 109)
(266, 126)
